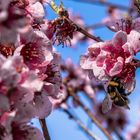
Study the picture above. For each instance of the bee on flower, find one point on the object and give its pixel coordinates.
(114, 58)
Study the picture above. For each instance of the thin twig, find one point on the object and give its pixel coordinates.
(86, 130)
(77, 27)
(96, 25)
(44, 129)
(102, 3)
(89, 113)
(83, 31)
(120, 137)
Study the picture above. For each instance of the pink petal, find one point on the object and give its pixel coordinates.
(130, 85)
(94, 49)
(4, 104)
(108, 47)
(134, 40)
(8, 35)
(25, 112)
(128, 52)
(99, 72)
(32, 82)
(21, 95)
(117, 68)
(119, 39)
(85, 63)
(101, 58)
(37, 10)
(43, 105)
(109, 63)
(136, 24)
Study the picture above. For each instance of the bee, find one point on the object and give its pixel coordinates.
(116, 94)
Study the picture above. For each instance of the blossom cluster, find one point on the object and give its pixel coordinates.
(115, 57)
(29, 69)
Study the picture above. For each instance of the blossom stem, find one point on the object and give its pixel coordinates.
(89, 113)
(44, 129)
(86, 130)
(105, 4)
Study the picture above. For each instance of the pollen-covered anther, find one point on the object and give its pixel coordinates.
(34, 53)
(6, 49)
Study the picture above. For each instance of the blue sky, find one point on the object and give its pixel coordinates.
(59, 125)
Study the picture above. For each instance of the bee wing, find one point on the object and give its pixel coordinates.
(124, 99)
(106, 104)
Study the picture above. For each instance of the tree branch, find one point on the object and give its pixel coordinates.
(120, 137)
(44, 129)
(89, 113)
(102, 3)
(86, 130)
(83, 31)
(96, 25)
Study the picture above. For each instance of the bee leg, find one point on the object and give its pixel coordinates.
(127, 107)
(126, 94)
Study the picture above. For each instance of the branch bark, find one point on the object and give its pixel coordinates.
(83, 31)
(86, 130)
(89, 113)
(102, 3)
(44, 129)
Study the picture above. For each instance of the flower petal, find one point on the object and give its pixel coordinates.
(134, 40)
(43, 105)
(119, 39)
(117, 68)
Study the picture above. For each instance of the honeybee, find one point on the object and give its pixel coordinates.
(116, 94)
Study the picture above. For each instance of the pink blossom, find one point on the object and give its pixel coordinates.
(37, 11)
(14, 17)
(126, 25)
(134, 41)
(9, 130)
(111, 58)
(36, 49)
(52, 79)
(18, 86)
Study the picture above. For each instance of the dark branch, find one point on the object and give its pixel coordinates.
(86, 130)
(44, 129)
(83, 31)
(89, 113)
(102, 3)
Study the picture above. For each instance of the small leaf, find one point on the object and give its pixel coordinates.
(54, 6)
